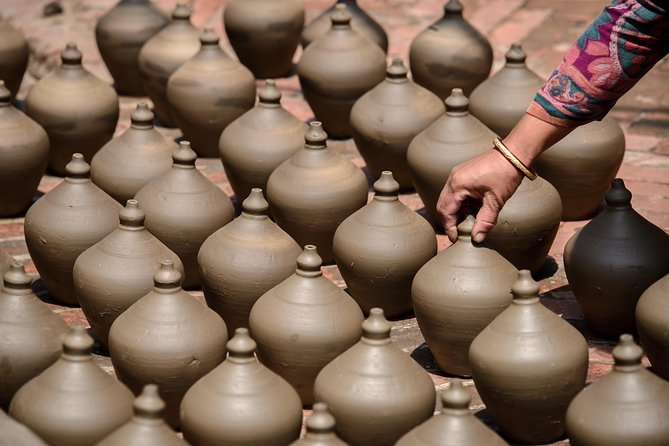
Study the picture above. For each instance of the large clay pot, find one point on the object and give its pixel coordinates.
(126, 163)
(450, 140)
(77, 110)
(14, 52)
(314, 191)
(31, 335)
(380, 248)
(162, 54)
(243, 260)
(374, 390)
(386, 118)
(527, 365)
(24, 150)
(450, 54)
(183, 208)
(73, 402)
(182, 340)
(120, 34)
(627, 407)
(457, 294)
(612, 260)
(257, 142)
(241, 402)
(264, 34)
(303, 323)
(65, 222)
(652, 318)
(15, 433)
(338, 68)
(207, 93)
(320, 429)
(118, 270)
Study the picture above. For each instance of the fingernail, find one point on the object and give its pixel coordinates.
(478, 237)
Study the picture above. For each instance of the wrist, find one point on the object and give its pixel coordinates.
(514, 160)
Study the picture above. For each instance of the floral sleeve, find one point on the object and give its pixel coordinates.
(614, 52)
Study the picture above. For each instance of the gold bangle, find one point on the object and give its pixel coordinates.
(518, 164)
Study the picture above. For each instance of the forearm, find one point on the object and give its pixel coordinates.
(531, 136)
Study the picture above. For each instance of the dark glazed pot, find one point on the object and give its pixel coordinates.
(380, 248)
(264, 34)
(527, 365)
(14, 433)
(14, 52)
(386, 118)
(120, 34)
(320, 429)
(652, 318)
(303, 323)
(450, 54)
(65, 222)
(612, 260)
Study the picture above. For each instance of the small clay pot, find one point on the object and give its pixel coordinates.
(320, 429)
(380, 248)
(241, 402)
(14, 433)
(652, 316)
(65, 222)
(73, 402)
(14, 52)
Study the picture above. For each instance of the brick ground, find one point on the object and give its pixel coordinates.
(545, 27)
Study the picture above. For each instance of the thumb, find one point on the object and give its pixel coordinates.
(486, 217)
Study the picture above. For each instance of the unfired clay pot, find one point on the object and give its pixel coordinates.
(15, 433)
(374, 390)
(241, 402)
(207, 93)
(183, 208)
(314, 191)
(118, 270)
(14, 52)
(243, 260)
(182, 340)
(5, 262)
(338, 68)
(65, 222)
(612, 260)
(527, 365)
(386, 118)
(457, 294)
(627, 407)
(120, 34)
(320, 429)
(73, 402)
(24, 150)
(303, 323)
(77, 110)
(264, 34)
(380, 248)
(257, 142)
(652, 318)
(126, 163)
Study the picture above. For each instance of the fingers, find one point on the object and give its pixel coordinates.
(486, 217)
(447, 206)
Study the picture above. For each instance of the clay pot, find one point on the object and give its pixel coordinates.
(65, 222)
(146, 428)
(257, 142)
(320, 429)
(652, 314)
(24, 150)
(31, 335)
(162, 54)
(118, 270)
(183, 208)
(14, 433)
(182, 340)
(529, 407)
(380, 248)
(207, 93)
(303, 323)
(14, 52)
(120, 34)
(243, 260)
(513, 88)
(5, 262)
(450, 54)
(241, 402)
(264, 34)
(627, 407)
(374, 390)
(612, 260)
(457, 294)
(336, 70)
(73, 402)
(582, 165)
(77, 110)
(450, 140)
(386, 118)
(126, 163)
(314, 191)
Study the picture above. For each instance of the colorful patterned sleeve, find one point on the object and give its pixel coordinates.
(614, 52)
